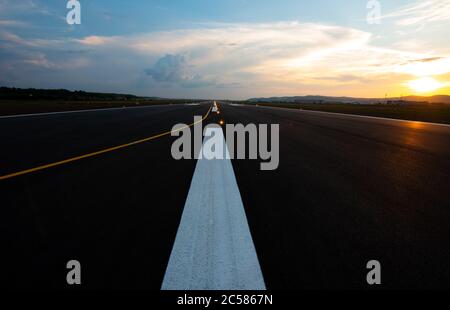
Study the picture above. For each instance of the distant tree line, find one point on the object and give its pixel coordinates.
(7, 93)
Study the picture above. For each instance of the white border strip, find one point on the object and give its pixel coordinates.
(350, 115)
(96, 110)
(76, 111)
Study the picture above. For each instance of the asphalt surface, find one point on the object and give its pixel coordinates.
(117, 213)
(348, 190)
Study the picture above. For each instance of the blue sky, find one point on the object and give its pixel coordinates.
(227, 49)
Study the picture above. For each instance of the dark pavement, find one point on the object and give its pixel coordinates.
(348, 190)
(117, 213)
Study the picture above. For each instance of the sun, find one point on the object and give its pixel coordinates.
(424, 85)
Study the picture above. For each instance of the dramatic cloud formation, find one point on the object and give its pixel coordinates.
(231, 60)
(170, 68)
(281, 56)
(175, 69)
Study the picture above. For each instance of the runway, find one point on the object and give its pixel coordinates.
(348, 190)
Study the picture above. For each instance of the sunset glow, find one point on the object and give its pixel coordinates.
(425, 85)
(190, 49)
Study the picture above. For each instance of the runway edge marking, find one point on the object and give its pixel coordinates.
(127, 108)
(97, 153)
(352, 115)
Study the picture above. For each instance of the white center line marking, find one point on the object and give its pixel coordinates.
(214, 249)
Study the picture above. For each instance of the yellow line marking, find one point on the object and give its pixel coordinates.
(108, 150)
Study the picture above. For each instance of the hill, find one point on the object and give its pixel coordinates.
(7, 93)
(352, 100)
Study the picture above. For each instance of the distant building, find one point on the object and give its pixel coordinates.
(405, 102)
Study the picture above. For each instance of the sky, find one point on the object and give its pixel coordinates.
(229, 49)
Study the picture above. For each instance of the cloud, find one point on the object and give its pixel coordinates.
(175, 69)
(260, 58)
(23, 6)
(426, 67)
(429, 59)
(97, 40)
(13, 39)
(343, 78)
(40, 60)
(223, 53)
(12, 23)
(422, 12)
(9, 5)
(170, 68)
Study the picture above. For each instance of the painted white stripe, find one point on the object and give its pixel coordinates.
(214, 249)
(375, 118)
(353, 115)
(75, 111)
(89, 110)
